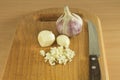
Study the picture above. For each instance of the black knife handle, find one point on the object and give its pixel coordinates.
(94, 68)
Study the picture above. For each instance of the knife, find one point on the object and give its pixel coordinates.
(94, 53)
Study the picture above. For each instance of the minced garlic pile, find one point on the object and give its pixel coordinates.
(58, 55)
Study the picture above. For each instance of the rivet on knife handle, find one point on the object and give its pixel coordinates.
(94, 68)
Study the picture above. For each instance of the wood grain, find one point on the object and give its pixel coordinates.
(107, 10)
(25, 62)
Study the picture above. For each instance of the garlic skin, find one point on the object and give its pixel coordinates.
(69, 24)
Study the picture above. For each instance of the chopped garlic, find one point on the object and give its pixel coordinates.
(42, 52)
(58, 55)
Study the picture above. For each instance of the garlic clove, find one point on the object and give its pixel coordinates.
(74, 27)
(69, 24)
(46, 38)
(78, 17)
(63, 40)
(59, 23)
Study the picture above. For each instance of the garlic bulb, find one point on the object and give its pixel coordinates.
(69, 24)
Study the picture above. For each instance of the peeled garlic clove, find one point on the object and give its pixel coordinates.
(63, 40)
(46, 38)
(69, 24)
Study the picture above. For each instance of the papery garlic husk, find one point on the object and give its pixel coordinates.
(69, 24)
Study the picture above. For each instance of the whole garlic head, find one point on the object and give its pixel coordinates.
(46, 38)
(69, 24)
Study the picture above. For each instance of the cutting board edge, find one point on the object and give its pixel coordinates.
(103, 49)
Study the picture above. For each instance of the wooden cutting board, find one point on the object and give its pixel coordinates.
(26, 63)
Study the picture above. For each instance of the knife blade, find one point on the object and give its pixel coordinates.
(94, 53)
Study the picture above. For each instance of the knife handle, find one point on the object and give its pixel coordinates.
(94, 68)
